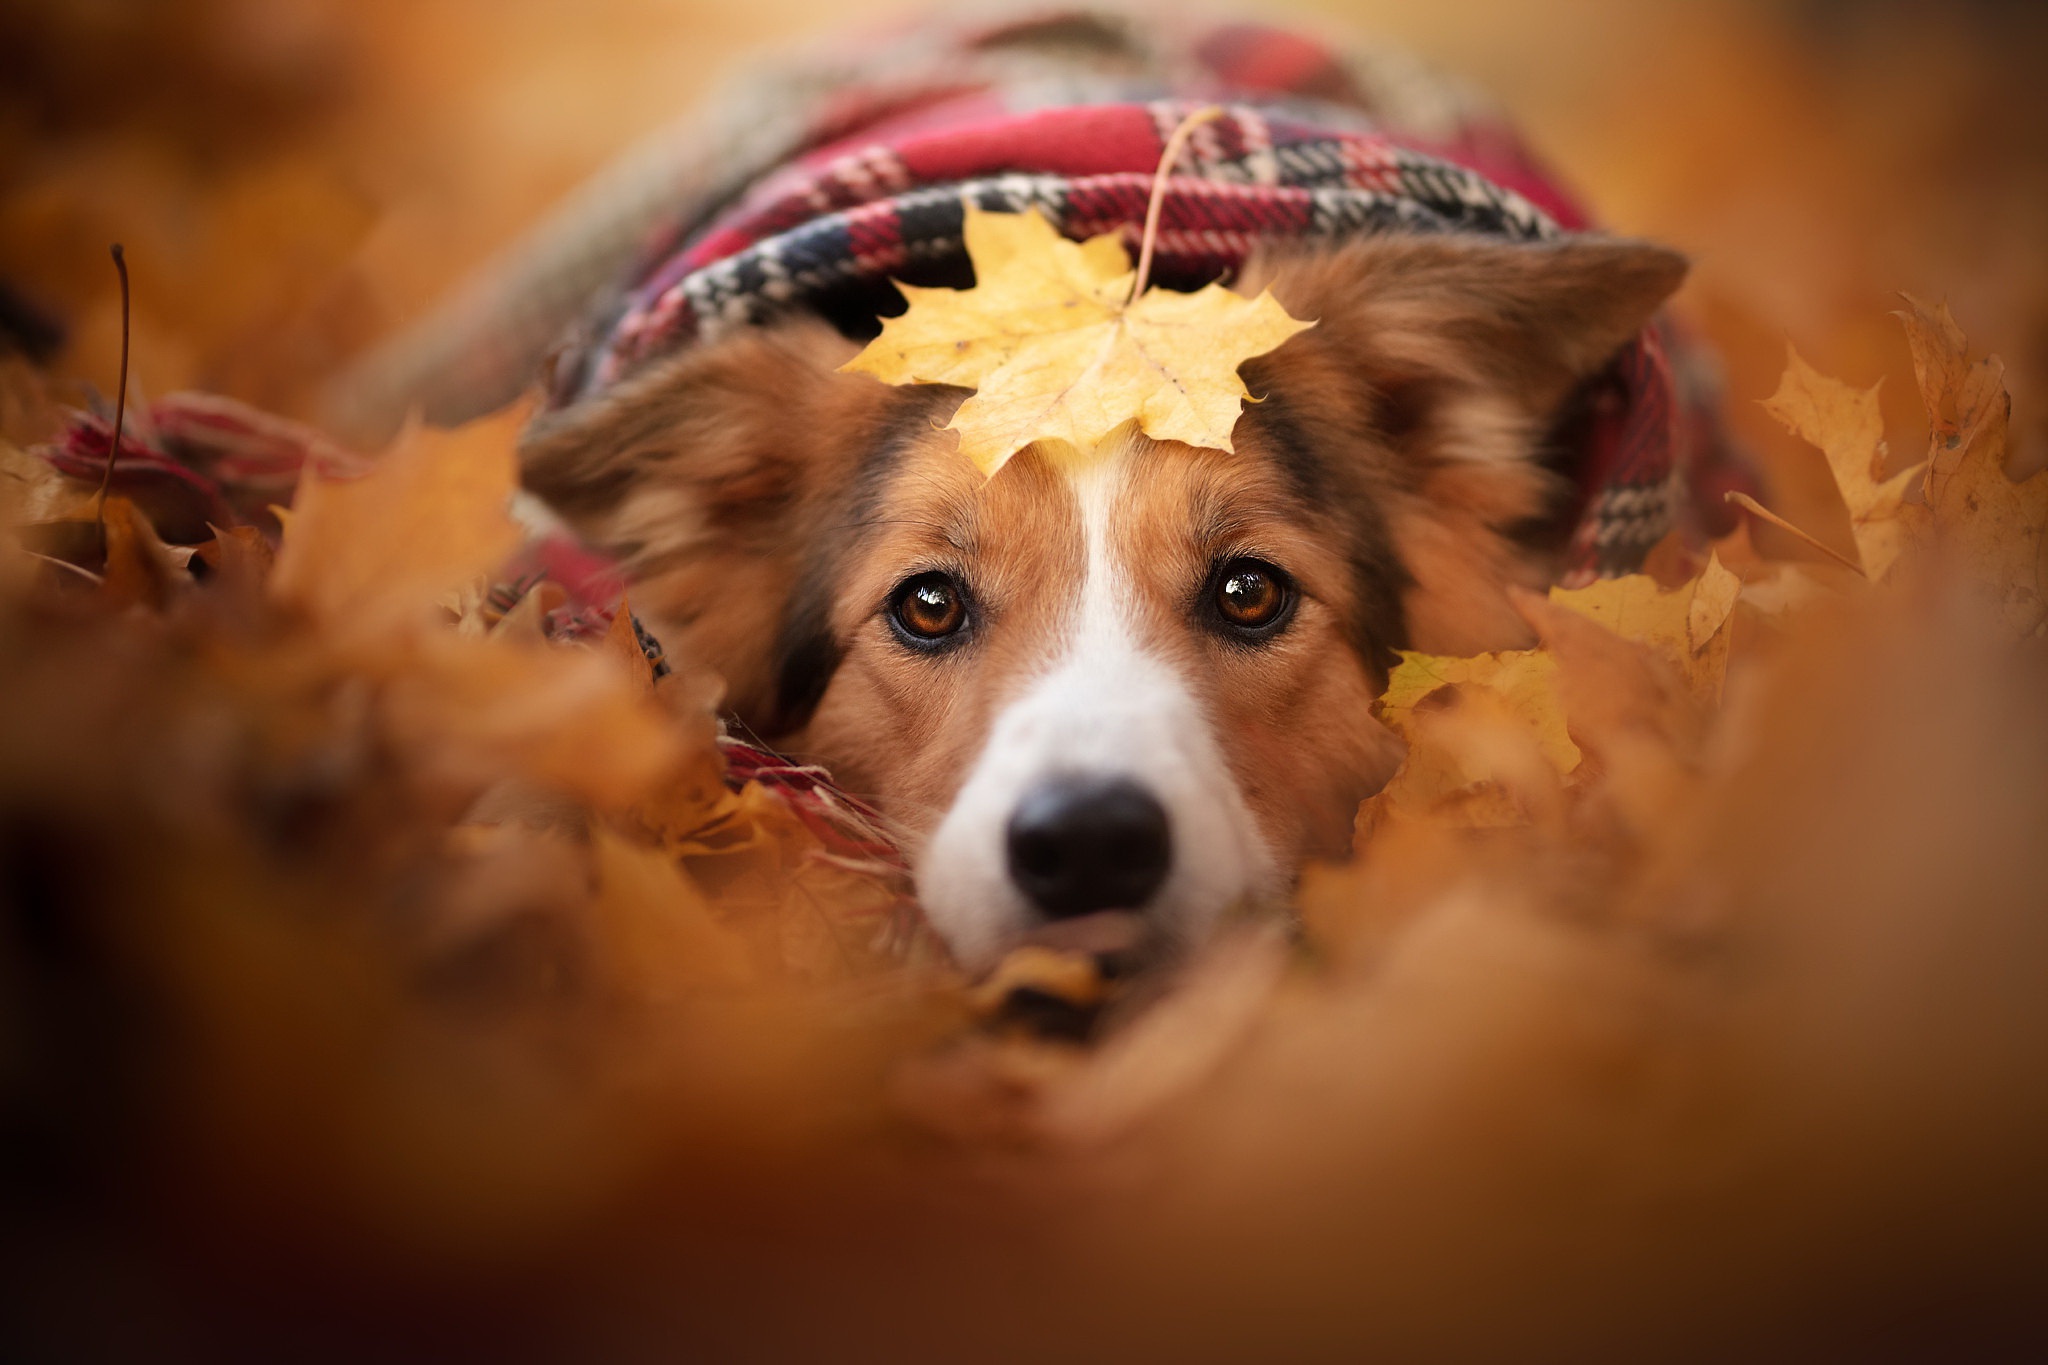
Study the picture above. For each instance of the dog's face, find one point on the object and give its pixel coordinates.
(1138, 678)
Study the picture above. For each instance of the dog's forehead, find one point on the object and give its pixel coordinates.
(1186, 496)
(935, 499)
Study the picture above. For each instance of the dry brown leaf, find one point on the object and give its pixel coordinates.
(28, 414)
(1713, 599)
(1997, 528)
(238, 560)
(140, 568)
(654, 930)
(527, 621)
(1074, 978)
(31, 491)
(1168, 1053)
(621, 645)
(1403, 863)
(478, 710)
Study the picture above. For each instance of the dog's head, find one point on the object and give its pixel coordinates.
(1140, 681)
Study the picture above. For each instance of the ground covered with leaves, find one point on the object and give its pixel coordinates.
(375, 965)
(374, 971)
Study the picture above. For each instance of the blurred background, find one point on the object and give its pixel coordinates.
(295, 179)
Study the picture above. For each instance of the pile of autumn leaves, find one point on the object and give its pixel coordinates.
(1599, 740)
(379, 922)
(563, 785)
(367, 907)
(1504, 740)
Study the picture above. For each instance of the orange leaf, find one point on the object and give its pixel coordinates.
(1846, 426)
(368, 552)
(480, 709)
(1997, 528)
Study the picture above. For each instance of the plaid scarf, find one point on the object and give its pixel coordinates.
(1068, 112)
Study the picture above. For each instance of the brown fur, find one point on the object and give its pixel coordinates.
(766, 506)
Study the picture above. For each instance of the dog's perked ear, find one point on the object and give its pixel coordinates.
(711, 477)
(1427, 396)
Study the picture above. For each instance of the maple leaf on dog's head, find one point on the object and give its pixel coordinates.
(1054, 351)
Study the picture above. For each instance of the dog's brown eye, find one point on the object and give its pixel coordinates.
(928, 608)
(1252, 596)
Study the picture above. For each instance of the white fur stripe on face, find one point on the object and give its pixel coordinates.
(1102, 705)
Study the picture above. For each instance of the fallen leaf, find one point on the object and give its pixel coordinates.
(139, 566)
(1139, 1072)
(1524, 680)
(657, 936)
(621, 645)
(429, 516)
(1688, 626)
(1630, 704)
(28, 413)
(238, 560)
(1073, 981)
(1673, 560)
(1473, 761)
(1714, 594)
(1351, 911)
(1054, 353)
(30, 490)
(528, 618)
(1846, 426)
(480, 709)
(1996, 527)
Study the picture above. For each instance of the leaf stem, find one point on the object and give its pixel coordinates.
(99, 506)
(1758, 510)
(78, 569)
(1179, 139)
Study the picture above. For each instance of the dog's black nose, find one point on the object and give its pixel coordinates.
(1082, 844)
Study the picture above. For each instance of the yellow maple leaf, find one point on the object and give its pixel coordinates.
(1525, 681)
(1055, 353)
(1996, 527)
(1491, 738)
(1474, 761)
(1688, 626)
(1846, 426)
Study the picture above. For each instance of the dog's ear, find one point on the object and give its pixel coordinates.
(706, 476)
(1449, 314)
(1438, 366)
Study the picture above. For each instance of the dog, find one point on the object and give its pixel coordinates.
(1143, 686)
